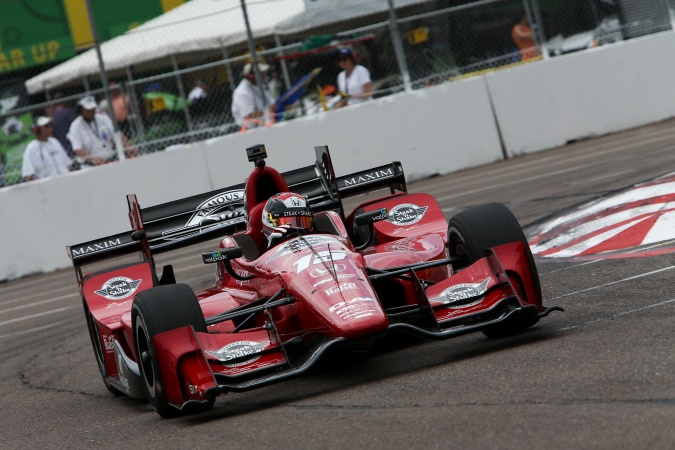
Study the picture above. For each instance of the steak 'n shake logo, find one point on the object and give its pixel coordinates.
(241, 352)
(406, 214)
(463, 295)
(118, 288)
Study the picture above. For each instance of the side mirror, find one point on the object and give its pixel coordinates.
(371, 217)
(224, 254)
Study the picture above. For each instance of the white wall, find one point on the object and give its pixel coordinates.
(436, 130)
(591, 93)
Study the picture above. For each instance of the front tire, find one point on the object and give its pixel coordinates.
(155, 311)
(472, 232)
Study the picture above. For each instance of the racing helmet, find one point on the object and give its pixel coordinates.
(289, 209)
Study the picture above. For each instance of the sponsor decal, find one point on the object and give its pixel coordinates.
(221, 210)
(214, 257)
(243, 273)
(403, 229)
(239, 350)
(108, 342)
(456, 296)
(297, 244)
(97, 247)
(384, 214)
(356, 308)
(118, 288)
(341, 276)
(368, 176)
(118, 304)
(322, 271)
(406, 214)
(341, 287)
(403, 245)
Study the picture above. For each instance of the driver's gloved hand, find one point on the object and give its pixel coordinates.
(278, 233)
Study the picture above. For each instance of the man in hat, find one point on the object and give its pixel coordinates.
(247, 102)
(44, 156)
(354, 81)
(92, 135)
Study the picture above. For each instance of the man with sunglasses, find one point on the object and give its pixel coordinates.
(44, 156)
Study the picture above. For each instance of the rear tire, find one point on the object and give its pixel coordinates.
(472, 231)
(155, 311)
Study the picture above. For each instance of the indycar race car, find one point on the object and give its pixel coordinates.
(393, 264)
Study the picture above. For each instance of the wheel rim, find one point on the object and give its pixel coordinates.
(145, 363)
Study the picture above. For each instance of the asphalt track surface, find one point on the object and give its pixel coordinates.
(599, 375)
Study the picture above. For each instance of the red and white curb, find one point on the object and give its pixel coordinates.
(639, 221)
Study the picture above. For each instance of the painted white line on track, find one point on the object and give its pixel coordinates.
(30, 330)
(611, 283)
(30, 279)
(619, 314)
(500, 185)
(33, 316)
(24, 298)
(43, 302)
(573, 267)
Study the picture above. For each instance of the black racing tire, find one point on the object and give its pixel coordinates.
(99, 353)
(155, 311)
(472, 231)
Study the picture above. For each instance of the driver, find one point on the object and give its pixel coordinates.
(285, 212)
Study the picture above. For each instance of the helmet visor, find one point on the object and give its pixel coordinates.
(304, 222)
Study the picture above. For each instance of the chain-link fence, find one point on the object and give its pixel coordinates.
(172, 80)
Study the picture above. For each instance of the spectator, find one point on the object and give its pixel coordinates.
(247, 101)
(44, 156)
(62, 116)
(121, 107)
(91, 135)
(199, 91)
(354, 80)
(524, 39)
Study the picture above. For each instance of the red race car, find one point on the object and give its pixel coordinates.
(392, 265)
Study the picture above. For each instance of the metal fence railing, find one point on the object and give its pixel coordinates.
(186, 96)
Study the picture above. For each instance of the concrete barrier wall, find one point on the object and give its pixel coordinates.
(436, 130)
(599, 91)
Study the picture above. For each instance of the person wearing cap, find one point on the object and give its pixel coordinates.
(91, 135)
(62, 117)
(44, 156)
(354, 80)
(247, 101)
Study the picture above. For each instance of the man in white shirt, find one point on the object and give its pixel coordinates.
(354, 80)
(92, 135)
(247, 102)
(44, 156)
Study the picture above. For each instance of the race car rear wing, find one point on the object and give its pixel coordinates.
(221, 212)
